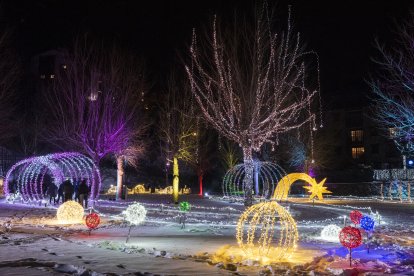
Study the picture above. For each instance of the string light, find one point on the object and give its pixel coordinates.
(70, 212)
(356, 216)
(331, 233)
(367, 223)
(135, 214)
(279, 102)
(350, 237)
(317, 190)
(256, 235)
(92, 220)
(184, 206)
(266, 175)
(283, 186)
(31, 172)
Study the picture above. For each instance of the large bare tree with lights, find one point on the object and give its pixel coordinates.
(251, 83)
(94, 104)
(393, 89)
(178, 128)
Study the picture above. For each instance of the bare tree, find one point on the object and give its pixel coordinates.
(178, 129)
(94, 105)
(9, 74)
(393, 88)
(250, 84)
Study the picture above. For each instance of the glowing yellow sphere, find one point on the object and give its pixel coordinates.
(70, 212)
(259, 237)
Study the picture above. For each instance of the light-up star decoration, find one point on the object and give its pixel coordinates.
(317, 189)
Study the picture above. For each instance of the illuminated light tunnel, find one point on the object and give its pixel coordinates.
(28, 175)
(266, 175)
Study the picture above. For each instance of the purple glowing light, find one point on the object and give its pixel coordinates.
(29, 174)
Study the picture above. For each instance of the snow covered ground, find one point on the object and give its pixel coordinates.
(33, 243)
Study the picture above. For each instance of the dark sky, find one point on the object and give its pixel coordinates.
(341, 32)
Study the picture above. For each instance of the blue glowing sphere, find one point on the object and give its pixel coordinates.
(367, 223)
(410, 162)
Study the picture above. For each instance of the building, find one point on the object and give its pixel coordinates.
(360, 142)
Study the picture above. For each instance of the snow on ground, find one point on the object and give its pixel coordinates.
(33, 243)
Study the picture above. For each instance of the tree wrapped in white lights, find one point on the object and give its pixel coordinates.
(251, 83)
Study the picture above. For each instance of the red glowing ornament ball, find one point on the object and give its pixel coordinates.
(92, 220)
(356, 216)
(350, 237)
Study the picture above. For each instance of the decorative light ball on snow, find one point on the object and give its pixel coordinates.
(184, 206)
(331, 233)
(350, 237)
(70, 212)
(367, 223)
(258, 236)
(135, 213)
(356, 216)
(92, 220)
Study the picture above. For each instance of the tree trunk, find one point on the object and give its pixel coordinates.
(200, 182)
(119, 177)
(248, 176)
(175, 181)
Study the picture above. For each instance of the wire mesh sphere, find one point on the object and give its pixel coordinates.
(184, 206)
(92, 220)
(258, 236)
(135, 213)
(367, 223)
(265, 176)
(350, 237)
(356, 216)
(70, 212)
(331, 233)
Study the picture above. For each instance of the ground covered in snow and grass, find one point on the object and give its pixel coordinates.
(33, 243)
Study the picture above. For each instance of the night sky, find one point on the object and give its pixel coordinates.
(341, 32)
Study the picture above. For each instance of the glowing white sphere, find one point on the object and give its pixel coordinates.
(135, 213)
(70, 212)
(331, 233)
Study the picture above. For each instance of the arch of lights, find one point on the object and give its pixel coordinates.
(265, 177)
(29, 174)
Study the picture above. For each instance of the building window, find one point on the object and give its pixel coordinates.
(357, 152)
(52, 76)
(64, 66)
(42, 76)
(357, 135)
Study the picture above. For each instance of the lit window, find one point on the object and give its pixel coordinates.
(52, 76)
(64, 66)
(42, 76)
(357, 152)
(357, 135)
